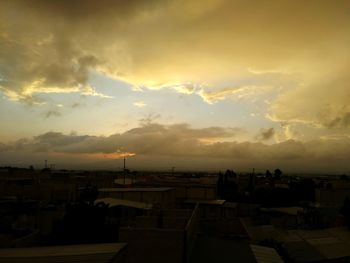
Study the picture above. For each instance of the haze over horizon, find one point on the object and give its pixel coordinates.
(193, 84)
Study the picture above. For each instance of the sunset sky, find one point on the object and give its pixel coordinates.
(195, 84)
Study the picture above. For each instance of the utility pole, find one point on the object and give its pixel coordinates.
(253, 180)
(124, 170)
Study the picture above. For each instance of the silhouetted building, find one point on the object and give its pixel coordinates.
(166, 237)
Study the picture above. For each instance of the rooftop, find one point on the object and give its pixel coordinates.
(137, 189)
(265, 254)
(71, 253)
(112, 202)
(206, 202)
(285, 210)
(217, 249)
(326, 243)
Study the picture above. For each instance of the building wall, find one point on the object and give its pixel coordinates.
(172, 243)
(232, 227)
(47, 219)
(168, 222)
(191, 231)
(229, 211)
(332, 196)
(211, 211)
(284, 221)
(153, 245)
(49, 187)
(121, 256)
(246, 210)
(30, 240)
(177, 212)
(197, 192)
(20, 188)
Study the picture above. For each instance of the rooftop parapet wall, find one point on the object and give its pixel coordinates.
(151, 244)
(91, 253)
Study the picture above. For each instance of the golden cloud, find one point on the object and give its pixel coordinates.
(300, 50)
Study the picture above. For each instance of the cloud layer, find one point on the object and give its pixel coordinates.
(214, 48)
(180, 141)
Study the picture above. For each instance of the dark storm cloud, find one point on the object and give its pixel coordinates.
(52, 45)
(76, 105)
(182, 141)
(234, 47)
(340, 121)
(52, 113)
(3, 147)
(266, 134)
(44, 45)
(152, 138)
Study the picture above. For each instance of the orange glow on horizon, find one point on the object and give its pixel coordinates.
(99, 155)
(109, 155)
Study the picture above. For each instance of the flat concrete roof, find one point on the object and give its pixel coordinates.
(206, 202)
(328, 243)
(285, 210)
(265, 254)
(137, 189)
(112, 202)
(302, 251)
(342, 233)
(208, 249)
(71, 253)
(230, 205)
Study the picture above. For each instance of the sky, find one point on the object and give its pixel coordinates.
(196, 84)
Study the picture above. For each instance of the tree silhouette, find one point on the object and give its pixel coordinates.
(89, 194)
(277, 174)
(268, 174)
(345, 211)
(344, 177)
(303, 190)
(220, 185)
(226, 185)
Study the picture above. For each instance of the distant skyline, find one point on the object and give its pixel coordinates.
(198, 85)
